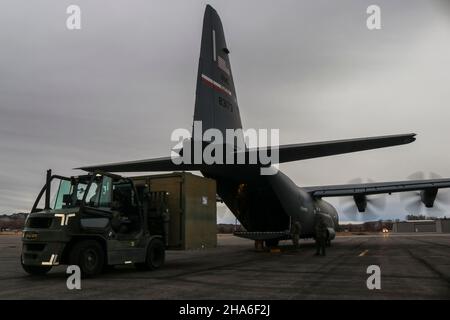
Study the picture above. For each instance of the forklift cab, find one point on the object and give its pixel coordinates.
(97, 195)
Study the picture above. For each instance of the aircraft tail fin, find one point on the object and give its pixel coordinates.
(215, 103)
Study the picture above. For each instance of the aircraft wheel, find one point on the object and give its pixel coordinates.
(271, 242)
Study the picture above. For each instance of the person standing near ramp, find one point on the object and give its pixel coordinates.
(295, 233)
(321, 230)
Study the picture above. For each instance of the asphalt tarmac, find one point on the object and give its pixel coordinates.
(412, 266)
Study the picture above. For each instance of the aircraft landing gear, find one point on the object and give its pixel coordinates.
(271, 242)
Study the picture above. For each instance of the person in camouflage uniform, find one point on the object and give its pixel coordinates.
(321, 230)
(295, 233)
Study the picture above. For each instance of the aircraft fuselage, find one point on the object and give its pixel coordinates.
(271, 203)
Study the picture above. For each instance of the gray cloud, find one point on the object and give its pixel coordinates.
(116, 89)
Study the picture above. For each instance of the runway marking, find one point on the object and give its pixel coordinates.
(362, 254)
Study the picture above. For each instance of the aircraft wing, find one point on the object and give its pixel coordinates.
(376, 188)
(302, 151)
(287, 153)
(156, 164)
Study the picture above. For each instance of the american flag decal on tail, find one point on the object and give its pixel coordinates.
(223, 65)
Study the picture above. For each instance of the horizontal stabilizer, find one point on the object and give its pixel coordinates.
(302, 151)
(287, 153)
(156, 164)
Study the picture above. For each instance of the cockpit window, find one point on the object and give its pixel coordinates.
(99, 194)
(64, 188)
(105, 194)
(70, 193)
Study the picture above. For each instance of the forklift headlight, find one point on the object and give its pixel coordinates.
(30, 235)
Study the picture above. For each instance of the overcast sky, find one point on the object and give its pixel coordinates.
(115, 90)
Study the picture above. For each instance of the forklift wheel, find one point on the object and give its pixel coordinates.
(89, 256)
(155, 256)
(36, 270)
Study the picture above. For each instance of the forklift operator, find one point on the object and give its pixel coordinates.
(119, 219)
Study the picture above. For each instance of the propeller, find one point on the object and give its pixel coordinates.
(372, 205)
(414, 200)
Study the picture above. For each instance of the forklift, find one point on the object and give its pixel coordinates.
(95, 221)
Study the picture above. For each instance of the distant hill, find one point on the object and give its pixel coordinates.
(14, 221)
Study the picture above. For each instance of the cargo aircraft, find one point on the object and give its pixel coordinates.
(270, 207)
